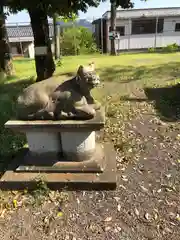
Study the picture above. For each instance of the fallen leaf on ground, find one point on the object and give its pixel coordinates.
(119, 207)
(144, 189)
(108, 219)
(178, 137)
(147, 216)
(15, 203)
(168, 230)
(2, 213)
(46, 220)
(178, 217)
(117, 229)
(107, 228)
(168, 175)
(136, 211)
(117, 199)
(124, 178)
(60, 214)
(155, 216)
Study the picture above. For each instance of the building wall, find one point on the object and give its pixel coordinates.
(22, 39)
(144, 41)
(14, 49)
(146, 12)
(25, 49)
(124, 39)
(30, 50)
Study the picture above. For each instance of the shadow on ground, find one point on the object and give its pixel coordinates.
(66, 74)
(15, 87)
(126, 74)
(22, 60)
(9, 141)
(166, 100)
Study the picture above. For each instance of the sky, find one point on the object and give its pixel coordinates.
(94, 13)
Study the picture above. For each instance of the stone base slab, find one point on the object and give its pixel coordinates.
(94, 124)
(106, 179)
(57, 163)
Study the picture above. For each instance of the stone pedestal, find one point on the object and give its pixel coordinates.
(43, 142)
(79, 145)
(65, 150)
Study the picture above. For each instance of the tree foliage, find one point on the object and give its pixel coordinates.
(61, 7)
(123, 3)
(78, 39)
(72, 17)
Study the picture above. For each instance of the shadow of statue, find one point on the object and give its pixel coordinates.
(166, 101)
(10, 142)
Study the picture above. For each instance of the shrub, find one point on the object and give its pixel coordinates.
(171, 48)
(151, 50)
(77, 40)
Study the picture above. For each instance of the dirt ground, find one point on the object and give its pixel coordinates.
(146, 203)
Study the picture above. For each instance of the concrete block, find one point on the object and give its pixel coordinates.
(42, 142)
(78, 145)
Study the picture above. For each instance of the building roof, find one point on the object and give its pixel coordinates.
(145, 12)
(23, 32)
(97, 21)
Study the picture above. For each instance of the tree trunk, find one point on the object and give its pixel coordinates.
(55, 37)
(45, 66)
(113, 27)
(6, 66)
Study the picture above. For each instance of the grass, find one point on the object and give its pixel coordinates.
(122, 77)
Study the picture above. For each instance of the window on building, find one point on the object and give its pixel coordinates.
(177, 27)
(120, 30)
(147, 26)
(18, 47)
(160, 25)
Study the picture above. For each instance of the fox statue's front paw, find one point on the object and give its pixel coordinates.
(96, 105)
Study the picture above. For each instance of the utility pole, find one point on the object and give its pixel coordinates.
(113, 27)
(155, 39)
(56, 38)
(102, 37)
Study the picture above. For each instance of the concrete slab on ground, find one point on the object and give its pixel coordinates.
(105, 180)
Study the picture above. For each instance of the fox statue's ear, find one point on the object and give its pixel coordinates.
(92, 65)
(80, 70)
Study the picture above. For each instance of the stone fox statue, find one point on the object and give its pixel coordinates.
(53, 100)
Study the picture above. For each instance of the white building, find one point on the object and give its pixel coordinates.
(21, 39)
(21, 36)
(140, 28)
